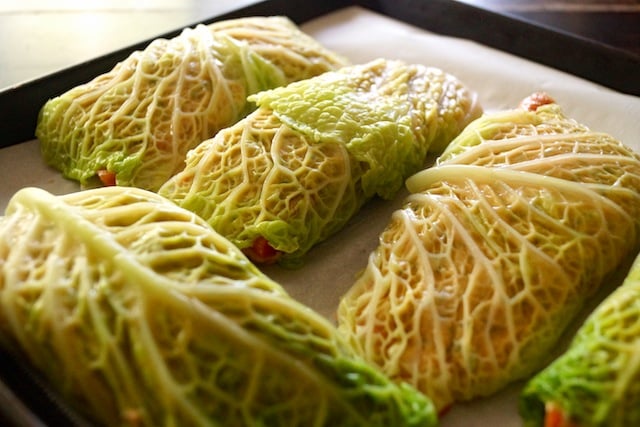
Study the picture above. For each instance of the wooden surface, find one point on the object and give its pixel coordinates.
(43, 36)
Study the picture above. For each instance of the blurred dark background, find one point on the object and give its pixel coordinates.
(613, 22)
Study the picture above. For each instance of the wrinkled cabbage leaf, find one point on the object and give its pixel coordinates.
(596, 382)
(298, 168)
(494, 252)
(138, 120)
(138, 313)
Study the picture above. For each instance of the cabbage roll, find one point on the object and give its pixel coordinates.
(597, 381)
(133, 125)
(494, 252)
(139, 314)
(298, 168)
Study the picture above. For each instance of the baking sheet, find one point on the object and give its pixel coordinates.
(501, 81)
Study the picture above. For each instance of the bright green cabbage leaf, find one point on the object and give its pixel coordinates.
(388, 115)
(139, 120)
(596, 383)
(139, 314)
(298, 168)
(494, 253)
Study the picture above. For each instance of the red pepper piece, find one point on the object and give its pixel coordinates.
(108, 178)
(555, 417)
(262, 252)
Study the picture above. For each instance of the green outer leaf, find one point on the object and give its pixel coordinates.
(300, 166)
(494, 253)
(350, 107)
(137, 312)
(141, 118)
(596, 382)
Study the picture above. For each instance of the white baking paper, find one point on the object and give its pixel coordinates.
(501, 81)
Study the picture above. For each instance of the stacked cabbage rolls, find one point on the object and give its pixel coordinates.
(139, 314)
(494, 252)
(596, 383)
(298, 168)
(135, 124)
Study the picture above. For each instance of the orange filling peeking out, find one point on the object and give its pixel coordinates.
(107, 178)
(535, 100)
(555, 417)
(262, 252)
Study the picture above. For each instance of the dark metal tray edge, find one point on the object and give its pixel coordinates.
(597, 62)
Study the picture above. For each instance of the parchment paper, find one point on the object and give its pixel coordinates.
(501, 81)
